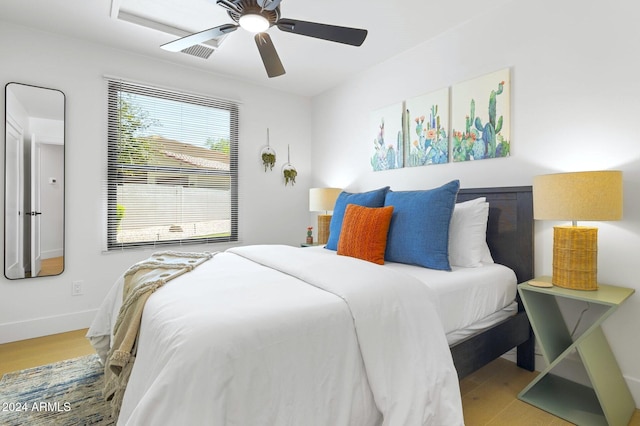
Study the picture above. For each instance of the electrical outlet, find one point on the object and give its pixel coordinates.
(76, 288)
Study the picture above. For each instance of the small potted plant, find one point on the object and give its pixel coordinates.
(309, 234)
(290, 174)
(289, 171)
(268, 155)
(268, 158)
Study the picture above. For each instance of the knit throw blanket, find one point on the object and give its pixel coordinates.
(140, 281)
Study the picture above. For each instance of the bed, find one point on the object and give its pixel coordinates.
(354, 351)
(510, 239)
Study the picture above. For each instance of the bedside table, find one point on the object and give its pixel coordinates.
(310, 245)
(608, 400)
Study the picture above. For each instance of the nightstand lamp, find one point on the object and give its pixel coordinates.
(591, 196)
(323, 200)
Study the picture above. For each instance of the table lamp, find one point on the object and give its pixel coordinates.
(590, 196)
(323, 200)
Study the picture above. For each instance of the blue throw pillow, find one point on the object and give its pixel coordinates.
(373, 198)
(419, 229)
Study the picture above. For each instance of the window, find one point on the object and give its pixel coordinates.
(172, 168)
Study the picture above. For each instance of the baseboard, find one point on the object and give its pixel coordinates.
(634, 388)
(48, 254)
(38, 327)
(511, 356)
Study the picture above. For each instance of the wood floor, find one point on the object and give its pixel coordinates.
(489, 396)
(43, 350)
(51, 266)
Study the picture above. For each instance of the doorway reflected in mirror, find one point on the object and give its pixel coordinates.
(34, 181)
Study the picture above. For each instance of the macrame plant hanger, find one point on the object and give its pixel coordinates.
(289, 172)
(268, 155)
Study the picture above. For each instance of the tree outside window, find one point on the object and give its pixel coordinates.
(172, 172)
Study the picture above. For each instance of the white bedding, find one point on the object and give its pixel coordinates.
(469, 299)
(296, 338)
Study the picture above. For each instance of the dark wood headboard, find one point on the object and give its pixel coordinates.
(510, 239)
(510, 226)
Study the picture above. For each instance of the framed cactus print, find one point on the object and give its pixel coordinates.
(426, 121)
(481, 117)
(387, 135)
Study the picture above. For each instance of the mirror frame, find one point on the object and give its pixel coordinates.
(19, 199)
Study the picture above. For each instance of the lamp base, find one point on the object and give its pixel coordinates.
(323, 228)
(575, 257)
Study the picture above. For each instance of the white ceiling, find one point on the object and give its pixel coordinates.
(312, 65)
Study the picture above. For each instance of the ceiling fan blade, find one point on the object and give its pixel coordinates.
(197, 38)
(229, 5)
(269, 4)
(352, 36)
(269, 55)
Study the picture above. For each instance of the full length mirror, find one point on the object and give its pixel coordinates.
(34, 181)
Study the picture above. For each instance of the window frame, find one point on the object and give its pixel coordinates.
(114, 88)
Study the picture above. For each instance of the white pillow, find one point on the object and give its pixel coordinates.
(468, 234)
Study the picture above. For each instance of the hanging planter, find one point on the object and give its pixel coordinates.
(289, 171)
(290, 174)
(268, 155)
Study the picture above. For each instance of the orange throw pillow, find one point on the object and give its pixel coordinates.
(364, 232)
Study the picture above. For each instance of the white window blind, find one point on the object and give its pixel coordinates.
(172, 167)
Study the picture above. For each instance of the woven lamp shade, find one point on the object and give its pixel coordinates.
(323, 200)
(591, 196)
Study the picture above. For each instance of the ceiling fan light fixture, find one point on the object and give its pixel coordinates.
(257, 16)
(254, 23)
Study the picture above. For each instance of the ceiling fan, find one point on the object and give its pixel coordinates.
(257, 16)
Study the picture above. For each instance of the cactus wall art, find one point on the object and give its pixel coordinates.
(388, 138)
(469, 121)
(481, 118)
(427, 129)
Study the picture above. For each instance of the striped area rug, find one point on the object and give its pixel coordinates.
(64, 393)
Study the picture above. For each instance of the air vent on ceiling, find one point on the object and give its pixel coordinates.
(199, 51)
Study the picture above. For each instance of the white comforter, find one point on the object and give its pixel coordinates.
(277, 335)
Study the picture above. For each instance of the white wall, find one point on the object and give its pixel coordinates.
(575, 106)
(50, 136)
(52, 200)
(47, 130)
(269, 211)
